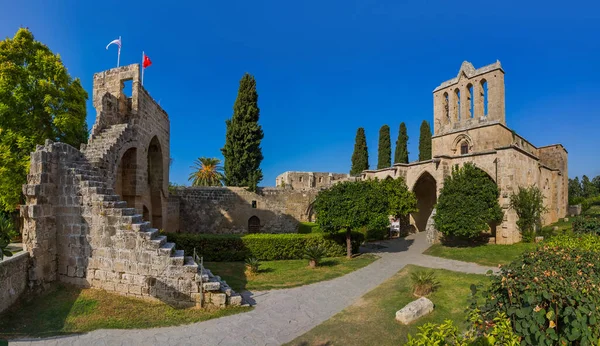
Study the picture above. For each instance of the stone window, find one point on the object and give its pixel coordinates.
(320, 179)
(464, 148)
(484, 97)
(254, 204)
(457, 104)
(300, 179)
(446, 108)
(471, 104)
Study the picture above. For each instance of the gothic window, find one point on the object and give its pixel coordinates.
(484, 96)
(300, 179)
(457, 105)
(446, 108)
(470, 100)
(320, 180)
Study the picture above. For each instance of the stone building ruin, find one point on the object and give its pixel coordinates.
(309, 180)
(469, 124)
(92, 216)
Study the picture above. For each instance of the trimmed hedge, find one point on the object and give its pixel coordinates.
(589, 242)
(266, 247)
(586, 224)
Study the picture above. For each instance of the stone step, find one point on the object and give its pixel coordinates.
(167, 249)
(131, 219)
(140, 226)
(157, 242)
(211, 286)
(92, 183)
(149, 233)
(177, 258)
(121, 211)
(113, 204)
(189, 261)
(108, 198)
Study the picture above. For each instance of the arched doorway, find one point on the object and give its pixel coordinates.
(253, 225)
(425, 191)
(155, 182)
(126, 176)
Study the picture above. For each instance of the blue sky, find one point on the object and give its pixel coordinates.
(325, 68)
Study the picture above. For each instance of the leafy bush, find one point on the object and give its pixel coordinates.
(7, 228)
(252, 264)
(499, 332)
(551, 295)
(3, 251)
(528, 203)
(424, 282)
(308, 227)
(588, 242)
(265, 247)
(586, 224)
(374, 234)
(314, 254)
(468, 203)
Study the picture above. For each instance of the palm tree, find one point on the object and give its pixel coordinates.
(207, 172)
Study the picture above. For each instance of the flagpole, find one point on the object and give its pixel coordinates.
(119, 52)
(143, 67)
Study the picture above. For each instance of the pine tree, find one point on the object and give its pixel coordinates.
(401, 154)
(360, 156)
(425, 142)
(384, 157)
(242, 151)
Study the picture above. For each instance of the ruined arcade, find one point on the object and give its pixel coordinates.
(92, 216)
(470, 126)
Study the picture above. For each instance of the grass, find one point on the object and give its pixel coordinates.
(287, 273)
(487, 254)
(371, 320)
(66, 309)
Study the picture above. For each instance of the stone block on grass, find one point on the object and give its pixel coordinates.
(414, 310)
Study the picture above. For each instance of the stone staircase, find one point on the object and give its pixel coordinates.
(112, 222)
(103, 144)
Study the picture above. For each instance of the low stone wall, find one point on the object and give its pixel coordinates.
(234, 210)
(13, 278)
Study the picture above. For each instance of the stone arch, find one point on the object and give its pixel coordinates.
(145, 213)
(125, 180)
(446, 108)
(483, 100)
(470, 103)
(253, 224)
(425, 189)
(155, 181)
(456, 107)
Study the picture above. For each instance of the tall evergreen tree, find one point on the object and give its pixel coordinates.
(425, 142)
(401, 154)
(384, 157)
(242, 151)
(360, 156)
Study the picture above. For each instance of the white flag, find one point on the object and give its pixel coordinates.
(117, 42)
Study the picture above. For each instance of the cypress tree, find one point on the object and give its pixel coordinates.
(425, 142)
(242, 151)
(401, 154)
(384, 157)
(360, 156)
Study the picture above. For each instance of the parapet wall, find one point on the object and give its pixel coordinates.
(13, 278)
(229, 210)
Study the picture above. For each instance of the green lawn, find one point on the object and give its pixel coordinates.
(67, 309)
(488, 254)
(371, 320)
(287, 273)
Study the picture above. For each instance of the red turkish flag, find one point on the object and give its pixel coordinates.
(146, 61)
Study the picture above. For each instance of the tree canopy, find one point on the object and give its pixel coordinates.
(528, 203)
(468, 203)
(360, 156)
(207, 172)
(401, 153)
(384, 157)
(242, 151)
(425, 142)
(351, 205)
(38, 100)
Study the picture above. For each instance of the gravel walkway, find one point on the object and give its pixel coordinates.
(280, 315)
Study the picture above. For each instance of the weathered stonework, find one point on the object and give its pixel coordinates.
(92, 216)
(13, 278)
(221, 210)
(309, 180)
(467, 129)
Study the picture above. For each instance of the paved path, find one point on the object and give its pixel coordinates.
(280, 315)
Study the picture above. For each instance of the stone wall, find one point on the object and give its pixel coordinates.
(230, 209)
(13, 278)
(309, 180)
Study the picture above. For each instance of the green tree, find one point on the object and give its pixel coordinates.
(242, 151)
(589, 189)
(528, 203)
(425, 142)
(351, 205)
(207, 172)
(384, 157)
(360, 156)
(596, 182)
(468, 203)
(38, 100)
(401, 153)
(575, 189)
